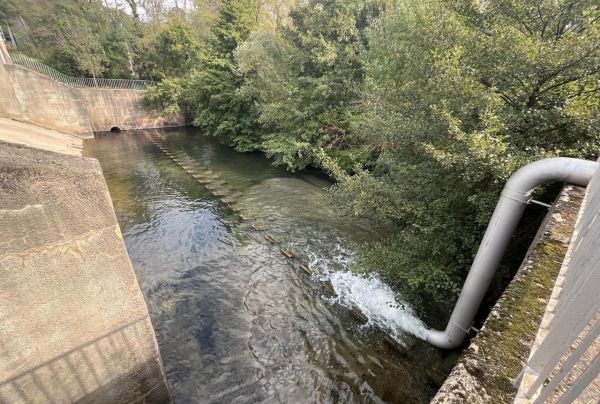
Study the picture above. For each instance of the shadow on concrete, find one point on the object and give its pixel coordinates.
(111, 368)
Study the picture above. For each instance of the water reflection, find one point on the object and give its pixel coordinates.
(237, 321)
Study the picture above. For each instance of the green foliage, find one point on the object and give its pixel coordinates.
(304, 79)
(166, 96)
(76, 36)
(173, 52)
(217, 105)
(458, 95)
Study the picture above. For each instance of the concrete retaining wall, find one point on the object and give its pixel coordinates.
(73, 322)
(121, 108)
(30, 97)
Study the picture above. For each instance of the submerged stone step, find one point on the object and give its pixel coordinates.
(222, 192)
(271, 239)
(259, 226)
(229, 199)
(202, 180)
(216, 184)
(360, 316)
(329, 287)
(305, 268)
(288, 253)
(235, 208)
(391, 341)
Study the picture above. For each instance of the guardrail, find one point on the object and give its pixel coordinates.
(37, 66)
(566, 357)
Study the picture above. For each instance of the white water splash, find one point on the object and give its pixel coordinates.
(370, 294)
(377, 301)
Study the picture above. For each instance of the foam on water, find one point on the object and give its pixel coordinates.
(369, 293)
(377, 301)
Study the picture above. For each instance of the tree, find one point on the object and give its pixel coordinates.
(458, 95)
(81, 45)
(304, 80)
(212, 93)
(174, 52)
(77, 37)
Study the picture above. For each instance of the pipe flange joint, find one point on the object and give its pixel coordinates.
(519, 196)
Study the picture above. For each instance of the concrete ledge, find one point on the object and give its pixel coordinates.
(40, 138)
(73, 322)
(499, 352)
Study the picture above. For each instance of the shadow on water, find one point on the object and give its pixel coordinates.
(235, 319)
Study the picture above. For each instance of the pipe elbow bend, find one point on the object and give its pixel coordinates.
(442, 339)
(566, 169)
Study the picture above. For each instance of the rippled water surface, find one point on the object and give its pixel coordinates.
(236, 320)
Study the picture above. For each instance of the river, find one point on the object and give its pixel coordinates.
(236, 320)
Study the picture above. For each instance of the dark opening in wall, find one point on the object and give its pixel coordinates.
(115, 129)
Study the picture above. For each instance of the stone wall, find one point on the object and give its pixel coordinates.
(30, 97)
(73, 323)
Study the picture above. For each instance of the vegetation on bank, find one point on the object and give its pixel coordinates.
(420, 109)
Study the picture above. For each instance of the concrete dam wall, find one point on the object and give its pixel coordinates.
(30, 97)
(74, 325)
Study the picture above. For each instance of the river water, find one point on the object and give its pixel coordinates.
(236, 320)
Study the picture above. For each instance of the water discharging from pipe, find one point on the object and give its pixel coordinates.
(368, 293)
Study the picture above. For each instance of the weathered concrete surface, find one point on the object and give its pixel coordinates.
(40, 138)
(121, 108)
(4, 55)
(497, 354)
(73, 322)
(30, 97)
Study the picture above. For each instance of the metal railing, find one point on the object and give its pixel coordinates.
(37, 66)
(566, 357)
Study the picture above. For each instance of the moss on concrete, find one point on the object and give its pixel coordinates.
(498, 353)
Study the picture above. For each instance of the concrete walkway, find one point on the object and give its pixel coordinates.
(40, 138)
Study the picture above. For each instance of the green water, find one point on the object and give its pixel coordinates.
(237, 321)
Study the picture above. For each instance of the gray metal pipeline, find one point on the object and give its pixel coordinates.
(513, 200)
